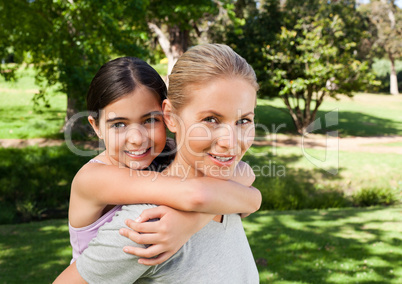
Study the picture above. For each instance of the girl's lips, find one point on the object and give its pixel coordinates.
(138, 154)
(222, 160)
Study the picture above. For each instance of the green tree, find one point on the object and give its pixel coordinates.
(247, 29)
(68, 40)
(316, 55)
(387, 37)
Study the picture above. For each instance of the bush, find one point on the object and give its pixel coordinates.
(285, 193)
(35, 181)
(376, 196)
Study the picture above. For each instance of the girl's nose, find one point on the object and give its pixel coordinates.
(137, 136)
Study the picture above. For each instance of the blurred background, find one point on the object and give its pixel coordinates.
(328, 151)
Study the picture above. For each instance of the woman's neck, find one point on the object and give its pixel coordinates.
(180, 168)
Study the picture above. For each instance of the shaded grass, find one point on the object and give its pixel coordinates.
(306, 246)
(289, 180)
(35, 181)
(327, 246)
(34, 252)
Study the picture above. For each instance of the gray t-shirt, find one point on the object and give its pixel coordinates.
(218, 253)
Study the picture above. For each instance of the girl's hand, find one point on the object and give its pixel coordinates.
(243, 174)
(164, 236)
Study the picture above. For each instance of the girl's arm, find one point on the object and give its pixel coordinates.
(103, 184)
(70, 275)
(174, 227)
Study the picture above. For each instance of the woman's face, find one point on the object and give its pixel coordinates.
(133, 129)
(215, 127)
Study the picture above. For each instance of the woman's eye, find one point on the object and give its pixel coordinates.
(244, 121)
(118, 125)
(210, 119)
(151, 120)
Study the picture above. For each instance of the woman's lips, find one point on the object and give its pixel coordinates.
(222, 160)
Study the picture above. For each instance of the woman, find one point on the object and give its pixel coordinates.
(210, 108)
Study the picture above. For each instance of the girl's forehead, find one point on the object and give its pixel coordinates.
(135, 104)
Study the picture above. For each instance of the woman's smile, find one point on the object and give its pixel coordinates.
(216, 127)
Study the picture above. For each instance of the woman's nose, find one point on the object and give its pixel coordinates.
(227, 137)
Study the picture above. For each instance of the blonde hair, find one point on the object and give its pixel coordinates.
(202, 64)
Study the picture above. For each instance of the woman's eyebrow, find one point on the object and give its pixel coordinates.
(211, 112)
(152, 113)
(247, 114)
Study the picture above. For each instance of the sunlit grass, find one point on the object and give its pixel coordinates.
(308, 246)
(18, 119)
(328, 246)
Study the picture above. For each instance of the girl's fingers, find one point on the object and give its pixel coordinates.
(147, 227)
(157, 260)
(244, 215)
(143, 239)
(149, 252)
(151, 213)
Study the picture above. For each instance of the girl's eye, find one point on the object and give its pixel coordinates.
(118, 125)
(211, 119)
(244, 121)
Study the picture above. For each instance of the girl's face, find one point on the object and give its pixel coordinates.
(215, 128)
(133, 129)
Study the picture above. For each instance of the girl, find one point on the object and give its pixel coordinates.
(125, 100)
(210, 108)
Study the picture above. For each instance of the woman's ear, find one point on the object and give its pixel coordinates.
(95, 127)
(169, 116)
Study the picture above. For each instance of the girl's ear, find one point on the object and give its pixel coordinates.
(169, 116)
(95, 127)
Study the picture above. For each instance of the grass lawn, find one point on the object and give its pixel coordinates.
(307, 246)
(362, 115)
(17, 116)
(328, 246)
(355, 170)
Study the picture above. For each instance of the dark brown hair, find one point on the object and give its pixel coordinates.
(120, 77)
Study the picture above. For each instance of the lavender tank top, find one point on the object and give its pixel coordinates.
(80, 237)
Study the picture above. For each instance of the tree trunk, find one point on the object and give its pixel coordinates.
(393, 77)
(174, 46)
(75, 123)
(178, 42)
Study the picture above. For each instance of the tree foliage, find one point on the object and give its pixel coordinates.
(250, 29)
(67, 41)
(387, 37)
(305, 52)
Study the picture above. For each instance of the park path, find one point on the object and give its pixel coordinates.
(378, 144)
